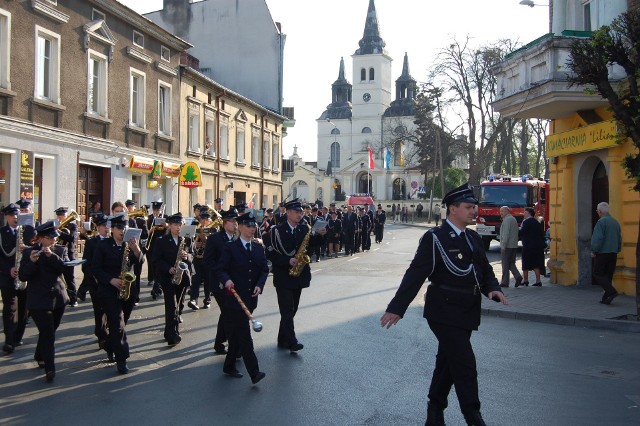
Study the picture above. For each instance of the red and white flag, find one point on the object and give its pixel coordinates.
(370, 158)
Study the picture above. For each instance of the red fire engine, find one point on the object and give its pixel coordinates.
(515, 193)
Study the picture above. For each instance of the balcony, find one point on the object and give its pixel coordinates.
(532, 81)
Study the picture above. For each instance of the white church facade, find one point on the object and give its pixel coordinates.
(366, 115)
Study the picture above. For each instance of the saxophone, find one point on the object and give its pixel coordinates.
(301, 256)
(125, 275)
(19, 285)
(179, 266)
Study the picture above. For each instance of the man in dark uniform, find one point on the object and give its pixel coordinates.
(242, 267)
(286, 239)
(217, 204)
(380, 219)
(107, 267)
(14, 301)
(349, 227)
(69, 239)
(201, 276)
(89, 282)
(453, 259)
(196, 214)
(172, 264)
(139, 223)
(281, 214)
(25, 207)
(212, 252)
(317, 249)
(155, 232)
(365, 233)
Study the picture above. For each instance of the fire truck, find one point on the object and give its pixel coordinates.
(515, 193)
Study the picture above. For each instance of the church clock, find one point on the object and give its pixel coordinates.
(366, 97)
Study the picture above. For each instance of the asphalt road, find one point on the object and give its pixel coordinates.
(351, 372)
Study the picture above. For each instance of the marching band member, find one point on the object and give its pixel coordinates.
(286, 239)
(196, 214)
(14, 301)
(217, 204)
(42, 266)
(212, 252)
(140, 223)
(155, 232)
(172, 264)
(242, 267)
(201, 273)
(89, 282)
(108, 267)
(68, 240)
(380, 219)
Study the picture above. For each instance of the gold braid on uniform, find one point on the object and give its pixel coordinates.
(448, 263)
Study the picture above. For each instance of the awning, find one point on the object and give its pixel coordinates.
(141, 165)
(170, 169)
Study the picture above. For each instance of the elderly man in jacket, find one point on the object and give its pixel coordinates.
(606, 243)
(508, 246)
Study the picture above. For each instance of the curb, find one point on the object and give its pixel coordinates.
(617, 325)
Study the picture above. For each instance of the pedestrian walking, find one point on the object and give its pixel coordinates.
(508, 247)
(532, 236)
(453, 259)
(606, 243)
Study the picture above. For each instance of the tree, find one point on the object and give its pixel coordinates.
(590, 60)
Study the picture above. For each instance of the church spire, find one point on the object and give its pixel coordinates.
(406, 86)
(341, 77)
(341, 91)
(371, 42)
(405, 67)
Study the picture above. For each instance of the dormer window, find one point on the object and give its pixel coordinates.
(138, 39)
(165, 53)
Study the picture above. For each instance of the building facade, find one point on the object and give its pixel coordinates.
(89, 99)
(532, 83)
(235, 142)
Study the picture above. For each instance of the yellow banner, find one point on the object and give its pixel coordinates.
(190, 176)
(170, 169)
(141, 165)
(588, 138)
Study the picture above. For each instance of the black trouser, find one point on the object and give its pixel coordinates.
(113, 308)
(101, 329)
(379, 231)
(221, 335)
(70, 279)
(316, 250)
(349, 240)
(288, 301)
(135, 291)
(366, 240)
(358, 240)
(604, 266)
(200, 277)
(14, 313)
(236, 325)
(47, 322)
(455, 365)
(173, 304)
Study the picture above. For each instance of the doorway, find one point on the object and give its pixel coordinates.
(91, 188)
(399, 189)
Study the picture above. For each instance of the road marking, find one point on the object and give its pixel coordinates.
(316, 270)
(376, 249)
(59, 350)
(353, 258)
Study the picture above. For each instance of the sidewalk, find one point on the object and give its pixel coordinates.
(558, 304)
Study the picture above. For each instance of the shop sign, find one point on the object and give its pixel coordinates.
(587, 138)
(152, 184)
(170, 169)
(141, 165)
(156, 172)
(190, 176)
(26, 174)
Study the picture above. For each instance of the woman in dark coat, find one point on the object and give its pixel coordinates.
(532, 236)
(334, 233)
(42, 267)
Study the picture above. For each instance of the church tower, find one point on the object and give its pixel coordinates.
(406, 91)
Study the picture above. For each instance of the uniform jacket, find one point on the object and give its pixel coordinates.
(247, 270)
(450, 307)
(106, 263)
(509, 232)
(45, 286)
(89, 250)
(69, 240)
(284, 246)
(165, 253)
(380, 218)
(212, 253)
(157, 233)
(349, 223)
(365, 223)
(8, 244)
(606, 236)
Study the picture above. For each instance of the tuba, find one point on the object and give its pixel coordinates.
(301, 256)
(73, 217)
(126, 275)
(141, 212)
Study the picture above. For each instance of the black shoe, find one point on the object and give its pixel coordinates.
(607, 300)
(40, 363)
(110, 357)
(219, 350)
(81, 296)
(538, 284)
(18, 343)
(296, 347)
(207, 304)
(518, 282)
(435, 415)
(73, 303)
(180, 319)
(122, 367)
(474, 418)
(174, 340)
(8, 348)
(50, 376)
(233, 373)
(258, 376)
(504, 285)
(525, 283)
(154, 296)
(149, 283)
(193, 305)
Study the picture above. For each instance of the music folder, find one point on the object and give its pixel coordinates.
(188, 231)
(26, 219)
(131, 233)
(159, 221)
(320, 224)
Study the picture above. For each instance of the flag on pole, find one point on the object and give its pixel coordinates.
(371, 164)
(387, 159)
(250, 203)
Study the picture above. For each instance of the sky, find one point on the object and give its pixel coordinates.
(319, 33)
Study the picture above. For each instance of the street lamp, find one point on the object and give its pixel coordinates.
(530, 3)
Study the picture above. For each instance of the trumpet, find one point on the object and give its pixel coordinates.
(141, 212)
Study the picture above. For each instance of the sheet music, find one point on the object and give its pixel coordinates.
(159, 221)
(188, 230)
(320, 224)
(26, 219)
(131, 233)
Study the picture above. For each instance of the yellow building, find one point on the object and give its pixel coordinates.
(235, 143)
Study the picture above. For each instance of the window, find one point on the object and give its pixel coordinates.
(240, 142)
(275, 154)
(47, 65)
(335, 131)
(371, 74)
(363, 74)
(255, 149)
(164, 108)
(136, 189)
(5, 49)
(208, 196)
(366, 130)
(97, 84)
(224, 138)
(165, 53)
(210, 138)
(138, 39)
(335, 155)
(398, 154)
(587, 17)
(194, 132)
(266, 151)
(137, 98)
(96, 14)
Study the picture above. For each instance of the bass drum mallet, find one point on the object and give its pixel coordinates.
(257, 326)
